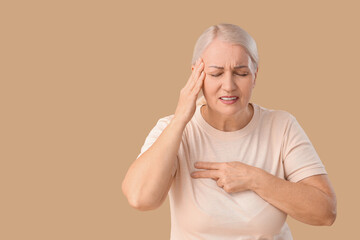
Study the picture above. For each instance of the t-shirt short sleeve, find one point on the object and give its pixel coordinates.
(153, 135)
(299, 156)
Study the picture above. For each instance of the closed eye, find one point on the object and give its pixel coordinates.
(221, 73)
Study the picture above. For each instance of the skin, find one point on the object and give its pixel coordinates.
(311, 200)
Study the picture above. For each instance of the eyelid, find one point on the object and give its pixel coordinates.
(216, 75)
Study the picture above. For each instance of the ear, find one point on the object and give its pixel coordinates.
(257, 70)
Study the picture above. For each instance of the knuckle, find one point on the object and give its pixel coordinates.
(227, 188)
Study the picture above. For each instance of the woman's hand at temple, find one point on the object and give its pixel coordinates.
(189, 93)
(231, 176)
(149, 178)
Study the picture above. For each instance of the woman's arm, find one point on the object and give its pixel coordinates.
(311, 200)
(149, 177)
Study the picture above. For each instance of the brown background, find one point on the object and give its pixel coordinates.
(83, 83)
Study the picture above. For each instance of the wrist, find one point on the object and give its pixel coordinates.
(257, 179)
(178, 122)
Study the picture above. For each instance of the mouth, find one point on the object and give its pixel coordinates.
(228, 99)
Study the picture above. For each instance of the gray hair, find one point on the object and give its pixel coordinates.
(228, 33)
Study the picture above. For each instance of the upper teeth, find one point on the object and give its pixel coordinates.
(225, 98)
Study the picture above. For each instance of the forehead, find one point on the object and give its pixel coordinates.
(221, 53)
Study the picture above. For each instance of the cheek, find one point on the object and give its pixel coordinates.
(246, 84)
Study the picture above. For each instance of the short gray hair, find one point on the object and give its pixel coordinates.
(228, 33)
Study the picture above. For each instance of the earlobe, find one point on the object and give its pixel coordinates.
(257, 70)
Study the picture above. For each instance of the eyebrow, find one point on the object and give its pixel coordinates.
(240, 66)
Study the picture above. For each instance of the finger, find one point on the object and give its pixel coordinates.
(208, 165)
(205, 174)
(197, 77)
(219, 183)
(199, 83)
(199, 71)
(194, 72)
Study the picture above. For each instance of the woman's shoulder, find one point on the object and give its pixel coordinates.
(166, 118)
(164, 121)
(275, 114)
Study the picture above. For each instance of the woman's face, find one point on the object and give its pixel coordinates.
(228, 73)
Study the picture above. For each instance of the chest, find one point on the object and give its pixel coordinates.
(260, 150)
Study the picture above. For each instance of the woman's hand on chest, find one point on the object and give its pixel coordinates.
(231, 176)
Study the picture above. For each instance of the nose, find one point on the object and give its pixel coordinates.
(228, 83)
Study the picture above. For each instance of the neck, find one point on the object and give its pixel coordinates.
(227, 123)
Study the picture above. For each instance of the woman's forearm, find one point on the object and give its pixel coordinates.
(301, 201)
(148, 177)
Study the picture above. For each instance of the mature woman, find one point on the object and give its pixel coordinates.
(232, 169)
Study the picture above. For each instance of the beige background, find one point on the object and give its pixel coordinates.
(83, 83)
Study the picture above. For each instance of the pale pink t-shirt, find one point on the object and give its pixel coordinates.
(273, 140)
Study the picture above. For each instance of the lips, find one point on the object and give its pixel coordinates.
(229, 101)
(228, 97)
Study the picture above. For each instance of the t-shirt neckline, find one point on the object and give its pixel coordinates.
(222, 134)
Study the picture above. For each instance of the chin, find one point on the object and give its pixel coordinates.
(228, 109)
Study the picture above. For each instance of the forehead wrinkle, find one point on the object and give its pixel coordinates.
(236, 67)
